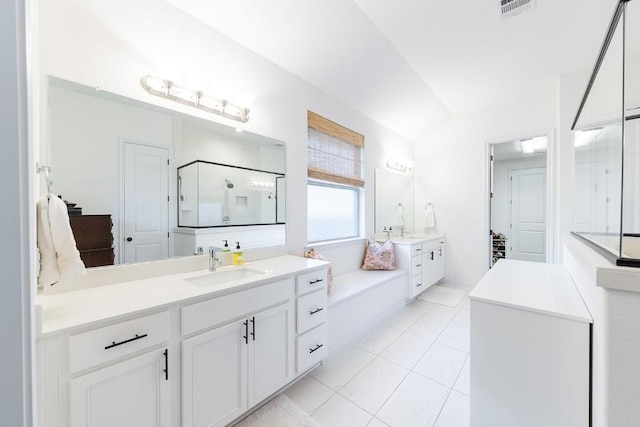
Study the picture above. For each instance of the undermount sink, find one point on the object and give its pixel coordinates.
(224, 276)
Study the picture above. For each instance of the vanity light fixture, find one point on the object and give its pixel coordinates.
(194, 98)
(261, 185)
(402, 166)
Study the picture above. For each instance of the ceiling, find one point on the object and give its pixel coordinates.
(410, 64)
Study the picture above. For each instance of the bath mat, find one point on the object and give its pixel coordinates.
(440, 295)
(279, 412)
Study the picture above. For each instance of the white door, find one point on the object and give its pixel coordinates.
(270, 352)
(133, 393)
(146, 203)
(527, 214)
(214, 379)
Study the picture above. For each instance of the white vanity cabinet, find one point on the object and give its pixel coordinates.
(117, 374)
(231, 368)
(433, 261)
(189, 357)
(135, 392)
(409, 257)
(311, 319)
(423, 258)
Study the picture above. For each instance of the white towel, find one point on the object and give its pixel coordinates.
(429, 216)
(398, 220)
(59, 257)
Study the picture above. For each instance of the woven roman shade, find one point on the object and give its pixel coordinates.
(335, 152)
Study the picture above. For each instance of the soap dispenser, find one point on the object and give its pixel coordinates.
(226, 253)
(237, 255)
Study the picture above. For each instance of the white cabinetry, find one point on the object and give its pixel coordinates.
(132, 393)
(424, 259)
(311, 316)
(529, 348)
(233, 367)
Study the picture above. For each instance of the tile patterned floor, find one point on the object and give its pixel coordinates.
(411, 370)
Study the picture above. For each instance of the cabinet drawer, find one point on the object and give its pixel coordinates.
(112, 342)
(416, 284)
(416, 250)
(311, 347)
(312, 310)
(431, 245)
(416, 265)
(215, 311)
(312, 281)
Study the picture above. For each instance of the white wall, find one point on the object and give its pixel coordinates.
(452, 172)
(17, 242)
(114, 46)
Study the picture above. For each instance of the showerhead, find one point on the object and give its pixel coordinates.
(228, 183)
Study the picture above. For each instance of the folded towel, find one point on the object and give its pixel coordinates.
(59, 257)
(429, 216)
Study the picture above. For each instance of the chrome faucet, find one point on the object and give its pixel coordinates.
(213, 259)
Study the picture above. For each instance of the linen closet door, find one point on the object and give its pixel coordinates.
(146, 203)
(528, 214)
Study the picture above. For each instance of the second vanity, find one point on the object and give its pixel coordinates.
(192, 349)
(423, 257)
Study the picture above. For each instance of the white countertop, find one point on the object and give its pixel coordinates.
(538, 287)
(415, 238)
(65, 311)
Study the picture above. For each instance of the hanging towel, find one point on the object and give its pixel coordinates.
(59, 257)
(429, 216)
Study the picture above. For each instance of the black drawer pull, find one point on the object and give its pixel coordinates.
(115, 344)
(316, 281)
(246, 331)
(418, 265)
(166, 365)
(317, 310)
(311, 350)
(418, 249)
(418, 285)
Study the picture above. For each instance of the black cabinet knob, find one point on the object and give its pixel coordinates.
(129, 239)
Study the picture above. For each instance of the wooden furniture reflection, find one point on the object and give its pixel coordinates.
(93, 238)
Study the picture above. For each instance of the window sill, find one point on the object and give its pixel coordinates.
(332, 243)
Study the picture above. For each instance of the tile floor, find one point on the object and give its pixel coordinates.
(411, 370)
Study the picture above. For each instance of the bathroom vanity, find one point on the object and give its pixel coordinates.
(423, 257)
(190, 349)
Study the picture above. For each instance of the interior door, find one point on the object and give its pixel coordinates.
(146, 203)
(528, 208)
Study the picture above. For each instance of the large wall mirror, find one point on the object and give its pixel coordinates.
(394, 202)
(117, 157)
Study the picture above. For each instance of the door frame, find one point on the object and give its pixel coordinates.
(551, 226)
(171, 189)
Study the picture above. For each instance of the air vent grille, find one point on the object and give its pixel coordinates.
(513, 7)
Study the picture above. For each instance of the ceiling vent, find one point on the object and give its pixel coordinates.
(513, 7)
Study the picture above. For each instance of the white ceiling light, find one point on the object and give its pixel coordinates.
(167, 89)
(526, 145)
(584, 137)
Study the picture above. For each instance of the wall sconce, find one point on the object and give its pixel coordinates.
(194, 98)
(402, 166)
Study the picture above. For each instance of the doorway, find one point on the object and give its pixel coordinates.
(518, 200)
(145, 224)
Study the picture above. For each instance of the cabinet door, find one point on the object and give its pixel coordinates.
(214, 376)
(133, 393)
(429, 268)
(270, 351)
(440, 263)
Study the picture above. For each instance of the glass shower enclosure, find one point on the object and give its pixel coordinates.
(607, 144)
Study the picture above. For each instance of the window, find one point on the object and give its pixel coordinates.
(335, 184)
